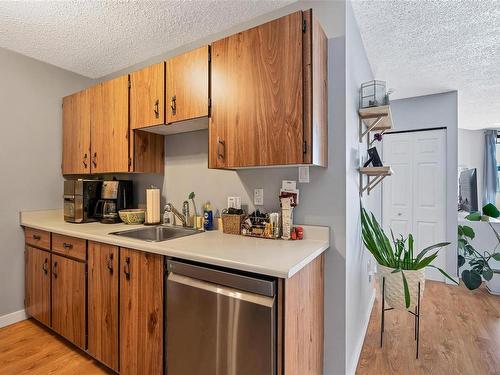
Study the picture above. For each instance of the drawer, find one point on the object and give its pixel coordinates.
(70, 246)
(38, 238)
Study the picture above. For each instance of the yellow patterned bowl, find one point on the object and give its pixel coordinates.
(133, 216)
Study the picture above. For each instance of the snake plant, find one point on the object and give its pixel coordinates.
(397, 253)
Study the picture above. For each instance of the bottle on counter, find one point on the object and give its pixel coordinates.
(208, 222)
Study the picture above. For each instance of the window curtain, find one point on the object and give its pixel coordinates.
(490, 167)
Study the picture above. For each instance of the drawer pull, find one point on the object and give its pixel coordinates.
(67, 245)
(45, 266)
(37, 237)
(110, 263)
(126, 268)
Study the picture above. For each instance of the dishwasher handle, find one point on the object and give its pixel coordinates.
(222, 290)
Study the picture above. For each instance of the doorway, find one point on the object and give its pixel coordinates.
(414, 197)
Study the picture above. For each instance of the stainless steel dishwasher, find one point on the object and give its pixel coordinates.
(218, 322)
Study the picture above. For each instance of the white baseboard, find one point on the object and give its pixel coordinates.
(16, 316)
(351, 367)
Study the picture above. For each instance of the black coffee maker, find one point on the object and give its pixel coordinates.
(116, 195)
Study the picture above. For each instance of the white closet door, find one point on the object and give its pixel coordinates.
(414, 202)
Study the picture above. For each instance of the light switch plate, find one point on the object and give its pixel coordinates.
(258, 197)
(304, 175)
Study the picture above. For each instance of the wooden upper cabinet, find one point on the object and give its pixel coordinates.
(109, 126)
(68, 299)
(37, 284)
(102, 313)
(262, 98)
(187, 85)
(147, 96)
(76, 134)
(141, 312)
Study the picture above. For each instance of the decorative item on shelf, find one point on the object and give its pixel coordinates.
(373, 94)
(231, 220)
(479, 262)
(373, 158)
(401, 271)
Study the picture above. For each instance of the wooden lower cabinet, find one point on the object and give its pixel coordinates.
(37, 280)
(68, 299)
(102, 315)
(141, 312)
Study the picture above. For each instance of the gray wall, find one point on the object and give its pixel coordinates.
(471, 155)
(30, 156)
(359, 290)
(432, 111)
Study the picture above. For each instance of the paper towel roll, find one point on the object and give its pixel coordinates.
(152, 206)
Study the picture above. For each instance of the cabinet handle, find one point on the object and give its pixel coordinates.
(45, 266)
(157, 109)
(94, 159)
(85, 161)
(37, 237)
(67, 245)
(54, 270)
(110, 263)
(173, 104)
(221, 151)
(126, 268)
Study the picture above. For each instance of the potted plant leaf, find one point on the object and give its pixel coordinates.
(399, 264)
(479, 262)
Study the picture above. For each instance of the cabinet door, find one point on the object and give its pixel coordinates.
(187, 85)
(147, 97)
(68, 299)
(109, 126)
(141, 312)
(76, 134)
(37, 274)
(257, 96)
(103, 303)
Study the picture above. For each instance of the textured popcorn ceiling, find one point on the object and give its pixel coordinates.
(95, 38)
(424, 47)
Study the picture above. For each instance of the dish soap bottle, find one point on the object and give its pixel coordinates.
(208, 217)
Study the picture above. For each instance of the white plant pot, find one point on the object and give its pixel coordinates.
(494, 284)
(394, 289)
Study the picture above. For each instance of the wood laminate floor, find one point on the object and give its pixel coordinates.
(459, 334)
(29, 348)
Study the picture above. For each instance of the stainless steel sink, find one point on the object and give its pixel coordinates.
(157, 233)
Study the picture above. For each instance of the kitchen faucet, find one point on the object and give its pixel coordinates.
(184, 217)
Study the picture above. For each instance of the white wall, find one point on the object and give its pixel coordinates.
(30, 157)
(432, 111)
(471, 155)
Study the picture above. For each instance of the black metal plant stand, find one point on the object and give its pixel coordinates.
(416, 314)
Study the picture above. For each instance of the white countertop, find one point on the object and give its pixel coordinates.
(277, 258)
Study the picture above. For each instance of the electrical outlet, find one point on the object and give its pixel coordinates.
(304, 175)
(258, 197)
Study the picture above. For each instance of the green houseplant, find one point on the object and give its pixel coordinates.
(398, 257)
(479, 262)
